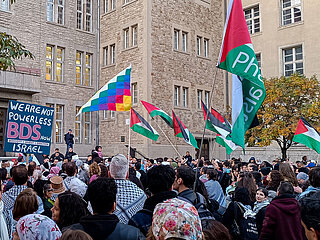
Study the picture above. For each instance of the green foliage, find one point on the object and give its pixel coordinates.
(10, 50)
(287, 99)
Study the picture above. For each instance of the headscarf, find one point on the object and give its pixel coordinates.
(176, 218)
(54, 171)
(37, 227)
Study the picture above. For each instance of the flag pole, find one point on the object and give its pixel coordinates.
(129, 145)
(205, 124)
(167, 138)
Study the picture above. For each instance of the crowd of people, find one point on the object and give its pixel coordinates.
(164, 198)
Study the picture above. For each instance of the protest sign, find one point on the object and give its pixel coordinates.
(29, 128)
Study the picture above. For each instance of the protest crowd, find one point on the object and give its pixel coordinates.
(164, 198)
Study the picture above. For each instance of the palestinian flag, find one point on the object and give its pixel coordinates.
(181, 131)
(307, 135)
(237, 57)
(154, 111)
(226, 143)
(216, 122)
(141, 126)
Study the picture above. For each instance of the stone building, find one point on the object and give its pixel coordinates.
(62, 35)
(173, 47)
(285, 39)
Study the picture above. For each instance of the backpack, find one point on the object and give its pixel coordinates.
(201, 207)
(247, 224)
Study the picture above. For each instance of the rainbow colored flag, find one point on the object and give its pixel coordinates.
(114, 96)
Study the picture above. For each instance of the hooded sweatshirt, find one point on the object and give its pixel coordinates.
(282, 219)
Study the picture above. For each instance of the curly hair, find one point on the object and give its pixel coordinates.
(94, 169)
(72, 209)
(287, 173)
(26, 203)
(276, 178)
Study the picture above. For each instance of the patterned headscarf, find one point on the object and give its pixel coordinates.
(37, 227)
(176, 218)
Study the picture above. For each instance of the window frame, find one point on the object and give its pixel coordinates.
(176, 34)
(80, 11)
(206, 47)
(80, 66)
(7, 5)
(185, 97)
(60, 6)
(59, 120)
(199, 40)
(88, 67)
(112, 54)
(125, 38)
(134, 34)
(253, 19)
(292, 7)
(51, 60)
(177, 96)
(199, 100)
(87, 135)
(50, 3)
(77, 120)
(294, 61)
(134, 93)
(88, 15)
(184, 38)
(59, 62)
(206, 97)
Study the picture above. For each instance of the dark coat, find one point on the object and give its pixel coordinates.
(69, 155)
(232, 213)
(260, 218)
(68, 137)
(143, 218)
(282, 220)
(60, 157)
(107, 227)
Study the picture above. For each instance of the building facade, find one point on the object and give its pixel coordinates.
(285, 39)
(62, 35)
(173, 47)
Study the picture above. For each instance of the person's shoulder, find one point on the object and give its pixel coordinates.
(125, 232)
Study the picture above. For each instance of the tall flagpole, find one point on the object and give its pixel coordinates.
(167, 138)
(129, 135)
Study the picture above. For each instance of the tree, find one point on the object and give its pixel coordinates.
(11, 49)
(287, 99)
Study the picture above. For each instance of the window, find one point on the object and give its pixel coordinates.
(60, 58)
(134, 35)
(252, 16)
(176, 96)
(185, 97)
(59, 123)
(112, 114)
(105, 56)
(49, 63)
(77, 127)
(291, 11)
(184, 41)
(206, 97)
(126, 1)
(292, 60)
(5, 5)
(88, 15)
(88, 70)
(199, 94)
(55, 11)
(79, 14)
(258, 56)
(112, 54)
(78, 67)
(87, 127)
(199, 39)
(126, 38)
(206, 47)
(176, 39)
(134, 93)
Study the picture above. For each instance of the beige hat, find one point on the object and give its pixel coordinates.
(57, 184)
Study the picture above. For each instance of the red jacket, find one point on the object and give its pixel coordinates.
(282, 220)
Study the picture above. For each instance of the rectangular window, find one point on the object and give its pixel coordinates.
(176, 96)
(134, 93)
(125, 38)
(135, 35)
(88, 15)
(291, 11)
(88, 70)
(79, 14)
(184, 41)
(105, 114)
(77, 127)
(176, 39)
(5, 5)
(258, 56)
(252, 16)
(59, 123)
(199, 45)
(60, 12)
(206, 47)
(60, 58)
(105, 56)
(206, 98)
(50, 10)
(112, 114)
(199, 95)
(185, 97)
(87, 127)
(78, 68)
(292, 60)
(113, 4)
(49, 63)
(112, 54)
(106, 6)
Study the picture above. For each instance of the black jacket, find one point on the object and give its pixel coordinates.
(68, 137)
(69, 155)
(143, 218)
(107, 227)
(60, 157)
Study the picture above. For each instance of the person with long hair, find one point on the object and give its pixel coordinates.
(288, 174)
(246, 180)
(26, 203)
(274, 178)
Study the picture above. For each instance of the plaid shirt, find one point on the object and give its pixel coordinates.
(9, 199)
(130, 200)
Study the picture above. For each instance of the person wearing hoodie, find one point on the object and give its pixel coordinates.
(282, 219)
(260, 207)
(314, 178)
(103, 224)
